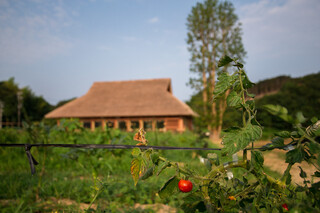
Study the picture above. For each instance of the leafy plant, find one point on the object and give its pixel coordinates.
(221, 189)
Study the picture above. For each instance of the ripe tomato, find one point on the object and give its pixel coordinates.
(285, 206)
(185, 185)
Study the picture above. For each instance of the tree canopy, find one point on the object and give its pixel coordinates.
(33, 107)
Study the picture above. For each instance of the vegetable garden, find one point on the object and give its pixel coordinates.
(232, 179)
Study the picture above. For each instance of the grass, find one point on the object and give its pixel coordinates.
(69, 179)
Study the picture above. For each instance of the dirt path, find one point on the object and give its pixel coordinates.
(275, 160)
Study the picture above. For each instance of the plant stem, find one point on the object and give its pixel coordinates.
(242, 99)
(94, 198)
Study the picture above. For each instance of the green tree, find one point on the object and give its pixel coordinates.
(213, 31)
(33, 107)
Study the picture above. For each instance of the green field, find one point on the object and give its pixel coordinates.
(69, 179)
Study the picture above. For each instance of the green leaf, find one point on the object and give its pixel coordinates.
(225, 60)
(169, 187)
(257, 160)
(278, 141)
(317, 174)
(246, 82)
(300, 117)
(251, 95)
(279, 111)
(236, 139)
(148, 173)
(283, 134)
(233, 99)
(136, 169)
(295, 156)
(314, 120)
(302, 173)
(135, 152)
(193, 203)
(224, 83)
(155, 157)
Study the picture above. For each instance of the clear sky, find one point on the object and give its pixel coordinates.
(59, 48)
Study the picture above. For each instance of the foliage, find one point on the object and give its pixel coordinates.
(33, 107)
(299, 94)
(67, 179)
(213, 30)
(219, 190)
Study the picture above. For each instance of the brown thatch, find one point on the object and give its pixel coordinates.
(138, 98)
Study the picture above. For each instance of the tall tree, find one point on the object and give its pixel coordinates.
(213, 31)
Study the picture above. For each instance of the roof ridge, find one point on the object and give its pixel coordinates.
(121, 81)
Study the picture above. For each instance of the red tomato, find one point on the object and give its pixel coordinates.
(285, 206)
(185, 185)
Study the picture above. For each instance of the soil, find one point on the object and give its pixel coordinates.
(275, 160)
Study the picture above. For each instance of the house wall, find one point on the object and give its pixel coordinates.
(177, 124)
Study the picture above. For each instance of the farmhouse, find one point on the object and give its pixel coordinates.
(129, 105)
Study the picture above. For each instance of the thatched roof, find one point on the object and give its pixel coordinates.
(136, 98)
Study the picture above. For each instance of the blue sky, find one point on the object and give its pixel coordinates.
(59, 48)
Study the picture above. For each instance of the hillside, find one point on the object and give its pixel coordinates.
(296, 94)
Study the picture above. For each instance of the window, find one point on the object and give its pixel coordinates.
(87, 124)
(147, 125)
(122, 125)
(97, 124)
(110, 124)
(134, 125)
(160, 124)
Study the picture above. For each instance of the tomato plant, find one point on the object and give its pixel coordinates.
(254, 191)
(185, 185)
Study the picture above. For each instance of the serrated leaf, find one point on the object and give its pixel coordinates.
(224, 83)
(278, 141)
(233, 99)
(136, 167)
(236, 139)
(135, 152)
(225, 60)
(147, 154)
(257, 160)
(279, 111)
(246, 82)
(193, 203)
(295, 156)
(169, 187)
(283, 134)
(147, 174)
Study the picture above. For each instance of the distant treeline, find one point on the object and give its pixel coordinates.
(33, 107)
